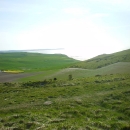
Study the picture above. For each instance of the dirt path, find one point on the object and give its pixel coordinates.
(8, 77)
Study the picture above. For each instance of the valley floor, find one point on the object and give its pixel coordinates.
(10, 77)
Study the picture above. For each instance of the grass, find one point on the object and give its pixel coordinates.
(42, 75)
(95, 99)
(33, 61)
(117, 68)
(93, 103)
(104, 60)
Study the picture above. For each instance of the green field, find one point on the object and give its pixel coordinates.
(33, 61)
(96, 98)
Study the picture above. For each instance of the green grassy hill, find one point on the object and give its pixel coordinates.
(96, 98)
(117, 68)
(104, 60)
(33, 61)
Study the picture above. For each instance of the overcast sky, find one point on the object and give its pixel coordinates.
(83, 27)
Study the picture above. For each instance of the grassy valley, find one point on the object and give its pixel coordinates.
(96, 98)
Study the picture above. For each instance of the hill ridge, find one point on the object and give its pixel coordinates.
(104, 60)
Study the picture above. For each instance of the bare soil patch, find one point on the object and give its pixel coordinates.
(9, 77)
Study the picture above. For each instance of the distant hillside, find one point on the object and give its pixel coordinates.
(104, 60)
(33, 61)
(117, 68)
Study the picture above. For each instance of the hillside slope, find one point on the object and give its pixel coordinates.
(33, 61)
(117, 68)
(104, 60)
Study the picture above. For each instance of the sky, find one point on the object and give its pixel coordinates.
(83, 28)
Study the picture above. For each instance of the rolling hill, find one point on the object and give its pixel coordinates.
(60, 66)
(104, 60)
(78, 73)
(96, 99)
(33, 61)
